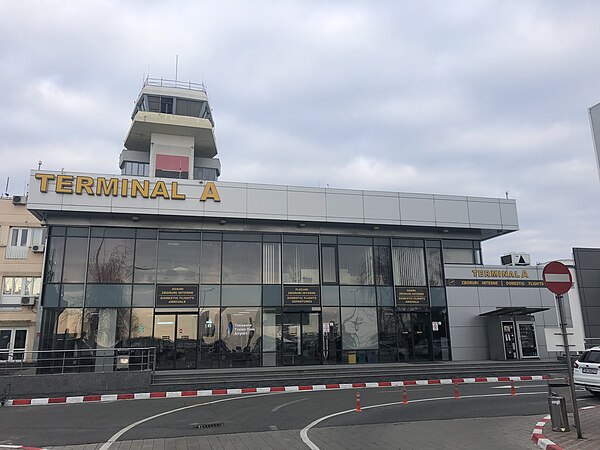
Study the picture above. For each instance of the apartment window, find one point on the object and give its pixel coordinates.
(21, 286)
(20, 239)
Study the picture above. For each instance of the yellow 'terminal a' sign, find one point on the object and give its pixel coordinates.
(124, 187)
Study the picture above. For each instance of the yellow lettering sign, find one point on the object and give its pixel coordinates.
(210, 191)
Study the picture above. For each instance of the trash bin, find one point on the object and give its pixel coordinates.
(560, 387)
(558, 413)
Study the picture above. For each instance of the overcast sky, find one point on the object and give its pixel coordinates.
(465, 97)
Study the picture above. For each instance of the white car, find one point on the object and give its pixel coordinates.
(586, 370)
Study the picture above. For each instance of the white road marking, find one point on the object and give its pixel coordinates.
(277, 408)
(120, 433)
(313, 446)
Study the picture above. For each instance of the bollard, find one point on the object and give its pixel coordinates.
(456, 394)
(513, 391)
(358, 402)
(404, 400)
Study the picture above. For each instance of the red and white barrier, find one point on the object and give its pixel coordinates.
(260, 390)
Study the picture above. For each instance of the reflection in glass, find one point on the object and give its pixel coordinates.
(210, 265)
(241, 336)
(75, 260)
(54, 262)
(356, 264)
(178, 261)
(359, 328)
(145, 261)
(409, 266)
(241, 262)
(110, 260)
(300, 264)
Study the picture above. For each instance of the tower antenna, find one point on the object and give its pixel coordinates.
(176, 64)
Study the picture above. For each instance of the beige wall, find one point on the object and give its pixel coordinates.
(19, 316)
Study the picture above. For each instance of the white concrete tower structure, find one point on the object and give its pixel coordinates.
(171, 134)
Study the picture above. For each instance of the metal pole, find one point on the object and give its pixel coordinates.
(563, 328)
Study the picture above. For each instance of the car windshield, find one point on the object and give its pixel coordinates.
(591, 357)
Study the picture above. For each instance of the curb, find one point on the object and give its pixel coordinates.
(20, 446)
(260, 390)
(539, 439)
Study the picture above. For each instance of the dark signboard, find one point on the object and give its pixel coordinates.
(460, 282)
(301, 296)
(412, 296)
(177, 295)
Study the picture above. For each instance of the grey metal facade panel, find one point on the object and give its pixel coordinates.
(448, 212)
(484, 212)
(268, 202)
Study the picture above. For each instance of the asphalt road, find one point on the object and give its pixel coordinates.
(60, 425)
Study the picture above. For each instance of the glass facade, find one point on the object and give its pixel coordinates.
(253, 299)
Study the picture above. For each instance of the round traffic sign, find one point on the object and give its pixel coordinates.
(557, 277)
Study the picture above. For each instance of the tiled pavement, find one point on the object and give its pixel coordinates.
(504, 433)
(590, 426)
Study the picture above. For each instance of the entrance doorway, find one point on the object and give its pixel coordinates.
(300, 338)
(177, 340)
(12, 344)
(414, 336)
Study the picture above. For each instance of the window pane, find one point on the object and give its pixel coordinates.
(143, 295)
(7, 285)
(145, 261)
(142, 320)
(210, 296)
(110, 260)
(56, 249)
(241, 295)
(241, 329)
(72, 296)
(75, 260)
(108, 295)
(105, 328)
(210, 267)
(300, 264)
(359, 328)
(434, 267)
(357, 296)
(271, 263)
(383, 266)
(356, 264)
(18, 286)
(329, 266)
(68, 330)
(178, 261)
(241, 262)
(409, 266)
(458, 256)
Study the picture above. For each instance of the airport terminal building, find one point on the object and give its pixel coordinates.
(221, 274)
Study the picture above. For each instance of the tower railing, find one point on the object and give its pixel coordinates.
(162, 82)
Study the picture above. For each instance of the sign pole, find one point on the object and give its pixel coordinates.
(563, 328)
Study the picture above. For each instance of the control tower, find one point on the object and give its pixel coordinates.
(171, 133)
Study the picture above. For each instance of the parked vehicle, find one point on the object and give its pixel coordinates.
(586, 371)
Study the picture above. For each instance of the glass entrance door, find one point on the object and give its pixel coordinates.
(300, 341)
(12, 344)
(177, 337)
(414, 336)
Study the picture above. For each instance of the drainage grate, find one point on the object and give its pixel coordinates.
(204, 426)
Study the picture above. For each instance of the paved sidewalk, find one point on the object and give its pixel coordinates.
(498, 433)
(590, 425)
